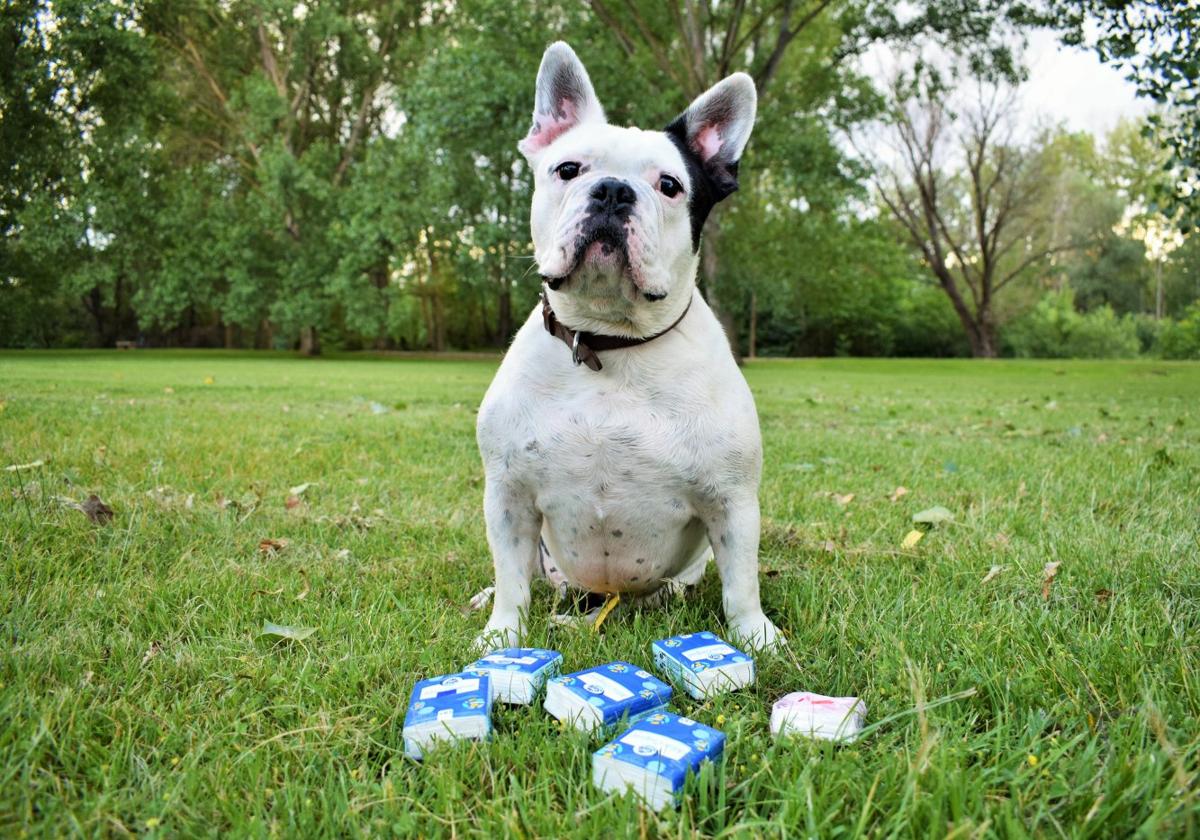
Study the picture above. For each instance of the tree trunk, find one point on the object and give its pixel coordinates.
(310, 342)
(94, 303)
(228, 336)
(439, 324)
(753, 340)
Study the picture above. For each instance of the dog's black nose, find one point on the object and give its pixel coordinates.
(613, 194)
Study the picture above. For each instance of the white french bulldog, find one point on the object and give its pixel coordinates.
(621, 474)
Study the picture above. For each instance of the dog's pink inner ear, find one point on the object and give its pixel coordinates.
(548, 127)
(707, 142)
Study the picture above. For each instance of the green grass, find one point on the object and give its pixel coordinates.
(137, 696)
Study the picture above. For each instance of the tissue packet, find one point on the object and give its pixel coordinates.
(703, 664)
(518, 674)
(447, 708)
(602, 695)
(654, 756)
(818, 716)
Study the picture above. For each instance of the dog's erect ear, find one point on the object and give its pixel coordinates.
(716, 127)
(564, 99)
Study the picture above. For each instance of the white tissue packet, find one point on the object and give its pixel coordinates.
(818, 716)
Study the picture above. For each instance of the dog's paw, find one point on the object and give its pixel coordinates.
(496, 636)
(756, 632)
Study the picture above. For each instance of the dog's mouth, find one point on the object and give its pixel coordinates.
(602, 250)
(601, 246)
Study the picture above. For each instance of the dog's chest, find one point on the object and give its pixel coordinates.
(619, 477)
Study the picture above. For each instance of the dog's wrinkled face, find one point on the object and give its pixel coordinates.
(617, 212)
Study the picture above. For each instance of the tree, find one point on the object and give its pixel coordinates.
(688, 46)
(284, 97)
(977, 229)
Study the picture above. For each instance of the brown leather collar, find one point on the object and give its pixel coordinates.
(585, 345)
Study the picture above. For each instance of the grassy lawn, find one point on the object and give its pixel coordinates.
(136, 694)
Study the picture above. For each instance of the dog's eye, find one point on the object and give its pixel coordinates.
(669, 186)
(567, 170)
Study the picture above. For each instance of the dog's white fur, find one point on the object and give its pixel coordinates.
(629, 474)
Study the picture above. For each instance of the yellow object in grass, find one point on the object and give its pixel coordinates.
(609, 606)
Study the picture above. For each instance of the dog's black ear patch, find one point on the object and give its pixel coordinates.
(711, 135)
(706, 190)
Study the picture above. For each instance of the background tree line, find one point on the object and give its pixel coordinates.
(345, 174)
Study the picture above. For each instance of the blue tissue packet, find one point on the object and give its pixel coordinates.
(518, 674)
(447, 708)
(703, 664)
(601, 696)
(654, 756)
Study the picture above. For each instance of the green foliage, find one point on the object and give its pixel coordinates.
(1181, 339)
(1055, 330)
(275, 174)
(1157, 45)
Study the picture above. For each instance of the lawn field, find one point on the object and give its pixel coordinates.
(138, 696)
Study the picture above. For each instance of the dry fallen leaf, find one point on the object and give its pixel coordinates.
(272, 546)
(1048, 573)
(899, 493)
(912, 538)
(284, 631)
(292, 502)
(482, 598)
(992, 574)
(96, 510)
(1102, 595)
(303, 592)
(154, 650)
(829, 546)
(843, 500)
(33, 465)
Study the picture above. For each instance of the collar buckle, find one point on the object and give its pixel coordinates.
(575, 351)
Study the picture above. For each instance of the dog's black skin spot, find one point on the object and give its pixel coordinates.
(606, 554)
(711, 182)
(516, 541)
(633, 579)
(508, 517)
(618, 533)
(641, 560)
(725, 539)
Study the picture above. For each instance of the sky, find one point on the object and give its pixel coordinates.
(1072, 85)
(1066, 85)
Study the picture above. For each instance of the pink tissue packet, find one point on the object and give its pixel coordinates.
(818, 716)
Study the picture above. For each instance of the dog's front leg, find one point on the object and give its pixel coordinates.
(513, 529)
(733, 531)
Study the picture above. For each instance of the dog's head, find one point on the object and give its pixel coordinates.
(617, 212)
